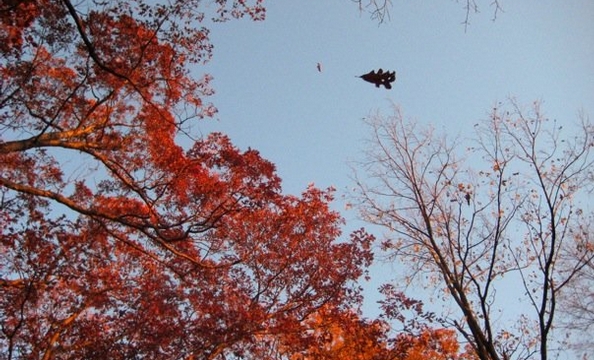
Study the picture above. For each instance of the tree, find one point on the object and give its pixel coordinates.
(122, 236)
(413, 337)
(380, 9)
(338, 334)
(502, 218)
(577, 304)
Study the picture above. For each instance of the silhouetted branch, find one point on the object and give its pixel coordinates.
(378, 9)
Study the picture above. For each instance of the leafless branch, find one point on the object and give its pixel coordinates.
(455, 219)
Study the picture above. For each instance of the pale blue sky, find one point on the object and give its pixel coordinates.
(272, 98)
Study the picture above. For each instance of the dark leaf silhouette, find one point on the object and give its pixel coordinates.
(380, 78)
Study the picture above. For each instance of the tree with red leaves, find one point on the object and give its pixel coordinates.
(343, 334)
(117, 241)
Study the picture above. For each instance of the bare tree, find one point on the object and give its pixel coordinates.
(380, 9)
(471, 7)
(577, 304)
(485, 220)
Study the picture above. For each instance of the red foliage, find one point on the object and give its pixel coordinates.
(430, 344)
(117, 241)
(335, 335)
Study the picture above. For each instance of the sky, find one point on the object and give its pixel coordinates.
(272, 98)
